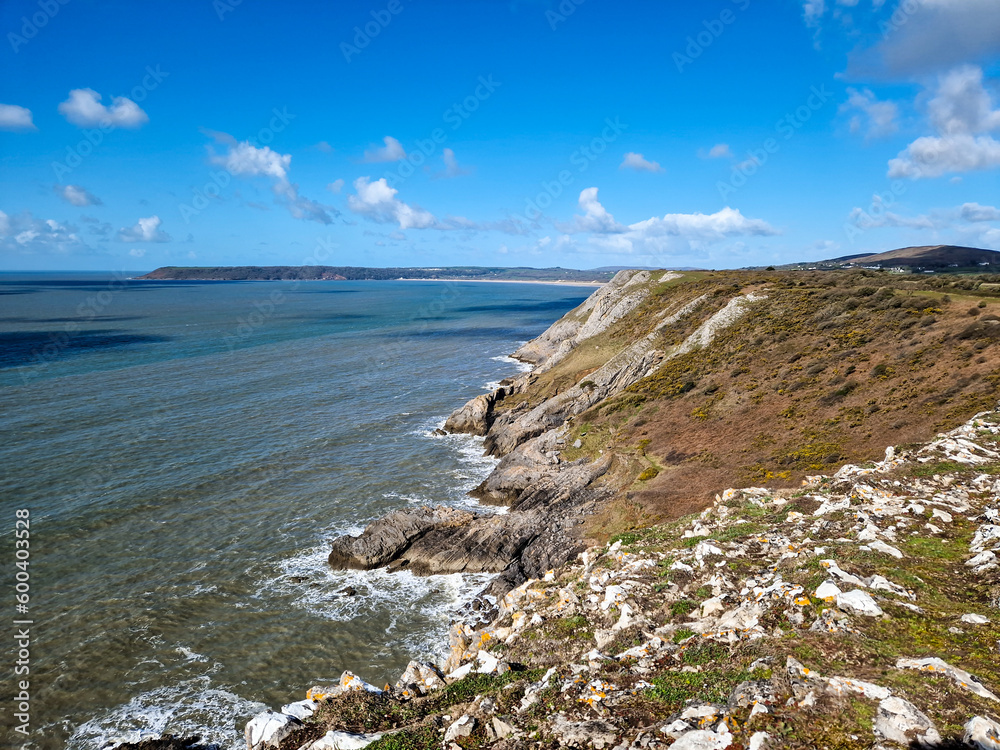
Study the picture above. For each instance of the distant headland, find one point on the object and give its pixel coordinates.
(356, 273)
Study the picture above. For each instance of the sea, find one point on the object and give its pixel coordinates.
(185, 451)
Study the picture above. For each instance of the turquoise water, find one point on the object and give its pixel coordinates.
(187, 451)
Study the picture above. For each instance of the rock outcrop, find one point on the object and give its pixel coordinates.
(858, 611)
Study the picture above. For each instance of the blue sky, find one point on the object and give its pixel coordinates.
(722, 133)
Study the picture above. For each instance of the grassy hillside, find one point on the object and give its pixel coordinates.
(830, 367)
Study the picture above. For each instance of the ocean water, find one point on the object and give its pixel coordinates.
(187, 451)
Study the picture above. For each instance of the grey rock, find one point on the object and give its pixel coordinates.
(982, 733)
(268, 729)
(702, 739)
(387, 538)
(463, 727)
(900, 721)
(597, 734)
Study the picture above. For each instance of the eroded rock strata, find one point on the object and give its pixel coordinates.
(860, 610)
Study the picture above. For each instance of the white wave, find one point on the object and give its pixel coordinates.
(521, 366)
(430, 603)
(189, 654)
(191, 707)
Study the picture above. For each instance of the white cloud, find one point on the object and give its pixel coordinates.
(933, 157)
(718, 151)
(378, 202)
(812, 11)
(639, 163)
(451, 165)
(23, 234)
(392, 151)
(243, 159)
(77, 196)
(961, 111)
(84, 109)
(878, 216)
(933, 35)
(976, 212)
(881, 116)
(336, 186)
(671, 234)
(145, 230)
(137, 252)
(13, 117)
(962, 105)
(246, 160)
(325, 147)
(596, 218)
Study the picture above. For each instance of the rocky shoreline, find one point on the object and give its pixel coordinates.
(548, 498)
(859, 609)
(862, 610)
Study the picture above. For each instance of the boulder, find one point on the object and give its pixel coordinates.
(476, 416)
(982, 733)
(268, 729)
(900, 721)
(461, 728)
(387, 538)
(343, 741)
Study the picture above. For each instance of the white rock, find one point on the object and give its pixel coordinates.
(490, 664)
(676, 728)
(461, 728)
(900, 721)
(712, 607)
(840, 685)
(758, 740)
(300, 709)
(827, 591)
(974, 619)
(457, 674)
(350, 681)
(501, 728)
(269, 728)
(627, 618)
(935, 665)
(859, 602)
(836, 571)
(612, 595)
(983, 558)
(343, 741)
(982, 733)
(702, 739)
(881, 583)
(942, 514)
(886, 549)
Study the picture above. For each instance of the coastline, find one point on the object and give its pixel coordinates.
(517, 281)
(658, 600)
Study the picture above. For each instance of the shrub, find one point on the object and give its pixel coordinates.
(648, 473)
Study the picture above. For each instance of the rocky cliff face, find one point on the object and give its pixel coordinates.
(860, 610)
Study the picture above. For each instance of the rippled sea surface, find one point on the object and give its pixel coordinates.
(187, 451)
